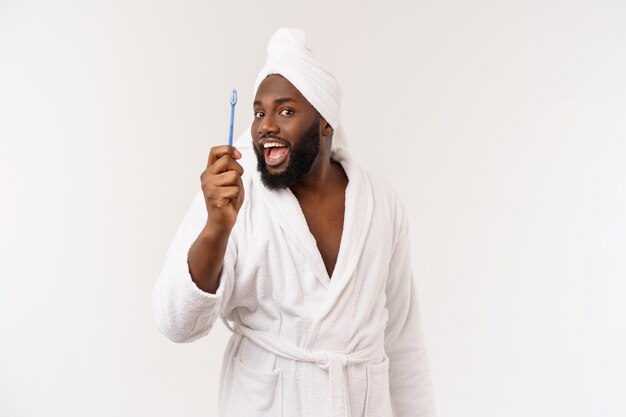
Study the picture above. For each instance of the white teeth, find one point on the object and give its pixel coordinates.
(273, 144)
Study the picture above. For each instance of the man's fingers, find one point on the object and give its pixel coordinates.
(218, 151)
(225, 163)
(228, 178)
(229, 193)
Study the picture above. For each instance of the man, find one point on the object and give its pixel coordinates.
(307, 256)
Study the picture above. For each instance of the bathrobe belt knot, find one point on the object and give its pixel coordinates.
(334, 362)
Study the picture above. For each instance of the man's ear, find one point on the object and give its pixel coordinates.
(327, 129)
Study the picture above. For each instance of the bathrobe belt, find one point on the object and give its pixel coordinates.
(333, 362)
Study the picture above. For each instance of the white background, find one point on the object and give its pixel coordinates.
(502, 125)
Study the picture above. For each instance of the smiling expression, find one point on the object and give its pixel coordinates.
(285, 132)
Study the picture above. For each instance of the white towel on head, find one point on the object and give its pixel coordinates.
(288, 55)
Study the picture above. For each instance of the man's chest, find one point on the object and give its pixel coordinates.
(326, 225)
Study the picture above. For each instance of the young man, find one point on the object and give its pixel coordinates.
(307, 255)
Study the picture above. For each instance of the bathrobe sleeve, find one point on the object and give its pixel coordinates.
(183, 311)
(409, 372)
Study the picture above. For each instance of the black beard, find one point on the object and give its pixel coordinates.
(301, 160)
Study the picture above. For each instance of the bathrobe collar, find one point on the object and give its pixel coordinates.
(357, 219)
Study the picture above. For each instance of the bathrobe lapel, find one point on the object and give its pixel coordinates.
(290, 218)
(357, 219)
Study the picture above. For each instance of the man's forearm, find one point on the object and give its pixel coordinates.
(206, 257)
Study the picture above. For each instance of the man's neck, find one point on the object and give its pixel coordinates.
(325, 178)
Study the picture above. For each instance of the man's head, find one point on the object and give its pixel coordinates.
(288, 133)
(289, 56)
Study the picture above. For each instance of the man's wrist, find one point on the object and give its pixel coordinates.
(214, 233)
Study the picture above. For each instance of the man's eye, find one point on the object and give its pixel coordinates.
(286, 112)
(258, 114)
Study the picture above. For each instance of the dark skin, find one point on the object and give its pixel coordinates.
(283, 114)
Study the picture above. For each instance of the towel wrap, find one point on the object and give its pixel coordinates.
(289, 56)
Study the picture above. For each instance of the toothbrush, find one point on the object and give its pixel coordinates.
(233, 101)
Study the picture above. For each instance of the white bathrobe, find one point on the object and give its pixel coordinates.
(306, 344)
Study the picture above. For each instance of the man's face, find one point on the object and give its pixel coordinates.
(285, 132)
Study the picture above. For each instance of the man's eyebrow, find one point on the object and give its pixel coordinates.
(279, 100)
(282, 100)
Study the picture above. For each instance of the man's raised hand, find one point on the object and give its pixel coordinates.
(222, 187)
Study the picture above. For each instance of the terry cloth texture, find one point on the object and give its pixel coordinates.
(289, 56)
(306, 343)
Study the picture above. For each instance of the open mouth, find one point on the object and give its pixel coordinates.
(275, 152)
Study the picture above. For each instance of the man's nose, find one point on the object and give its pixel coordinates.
(267, 126)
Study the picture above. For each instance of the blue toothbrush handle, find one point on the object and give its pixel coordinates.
(233, 101)
(230, 128)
